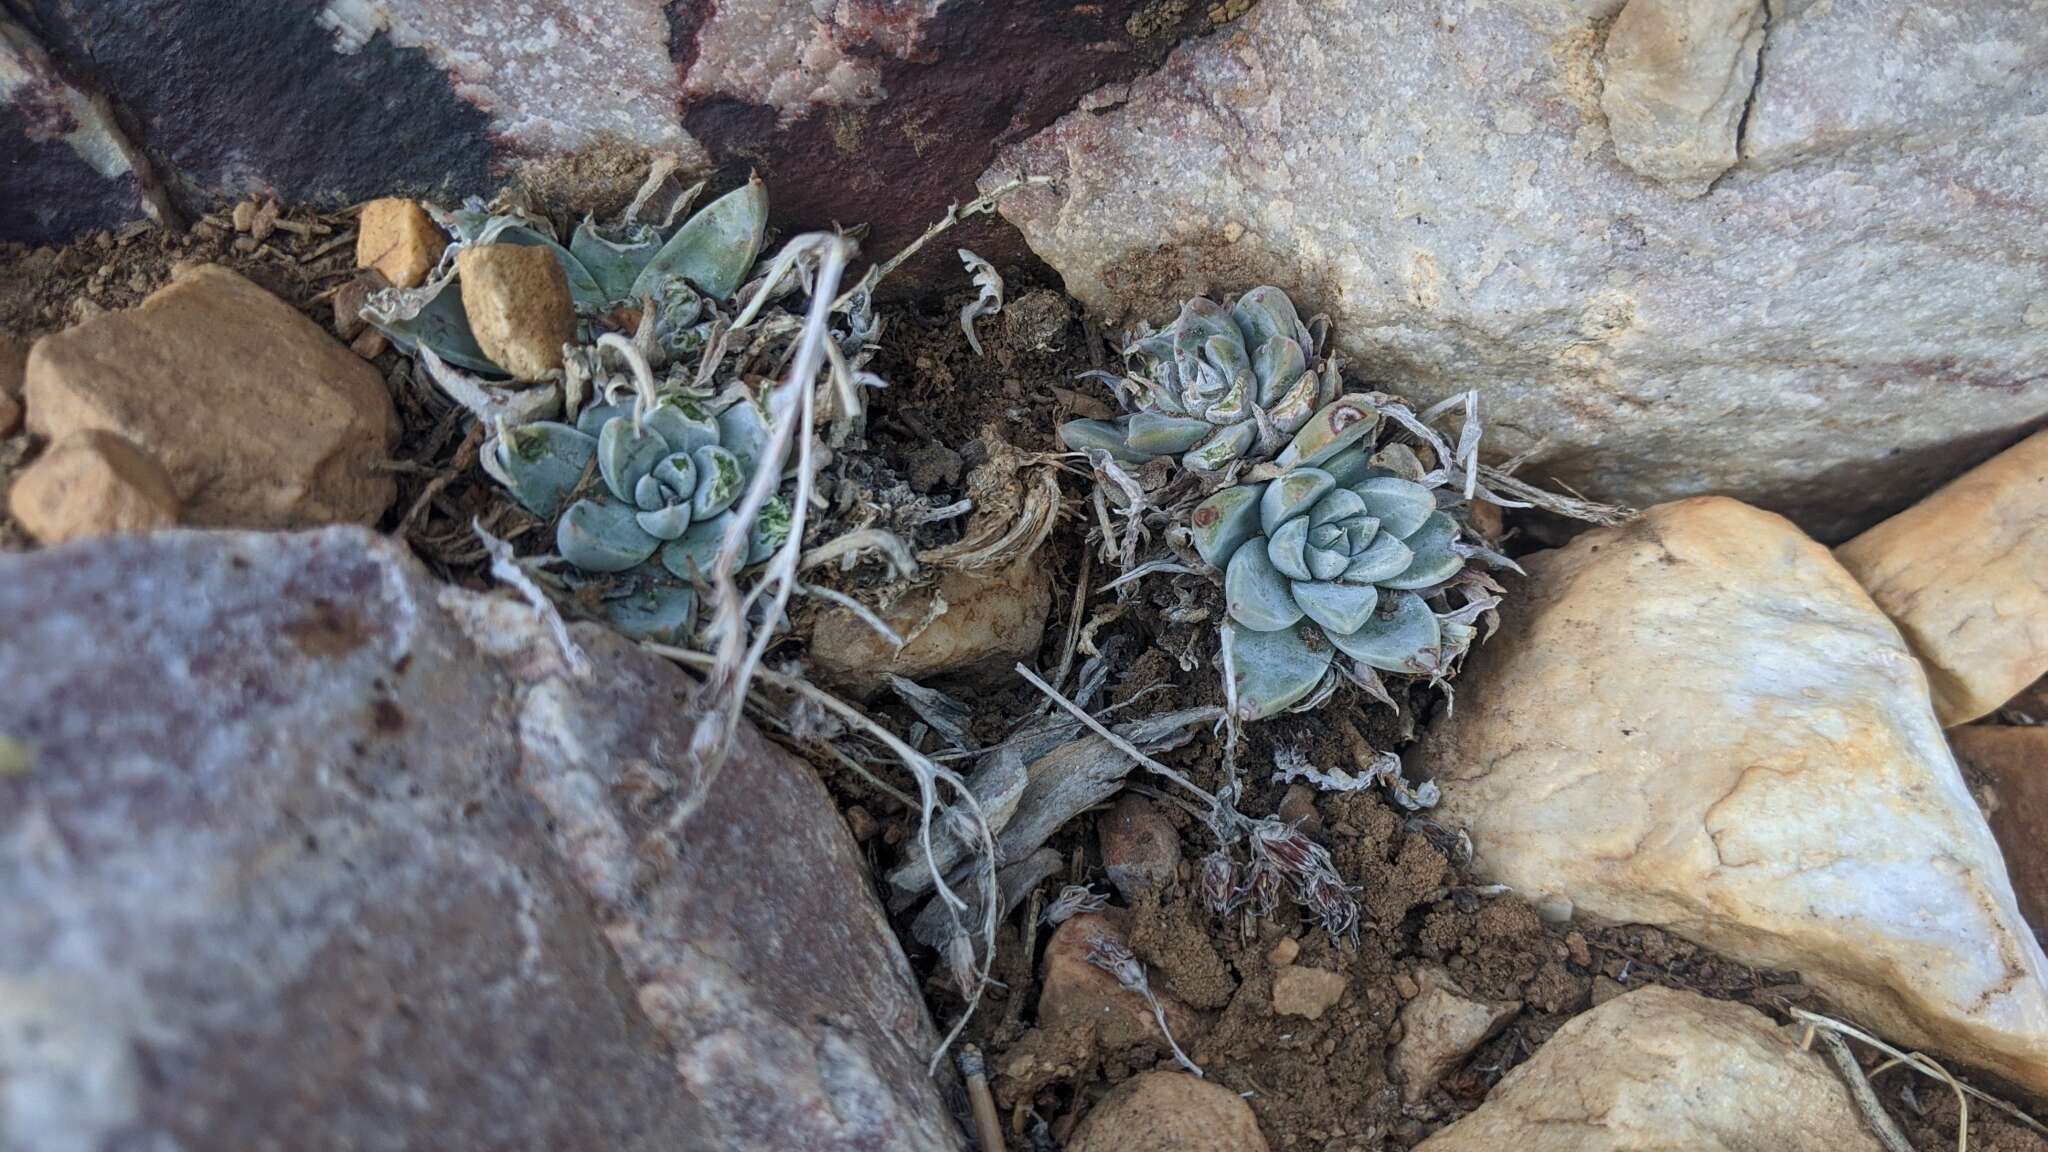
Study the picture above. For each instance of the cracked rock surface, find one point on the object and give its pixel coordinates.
(1851, 316)
(305, 850)
(1699, 721)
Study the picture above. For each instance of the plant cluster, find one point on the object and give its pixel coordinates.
(637, 457)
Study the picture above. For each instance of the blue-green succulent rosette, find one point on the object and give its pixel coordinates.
(1334, 556)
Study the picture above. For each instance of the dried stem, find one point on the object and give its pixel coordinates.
(1814, 1021)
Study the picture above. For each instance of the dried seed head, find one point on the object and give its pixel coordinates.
(1218, 883)
(1073, 900)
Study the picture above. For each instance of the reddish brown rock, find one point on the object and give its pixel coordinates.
(964, 624)
(1076, 994)
(92, 484)
(304, 850)
(1140, 848)
(2014, 764)
(261, 419)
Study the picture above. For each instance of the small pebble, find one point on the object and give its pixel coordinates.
(1284, 952)
(245, 215)
(369, 344)
(1581, 954)
(860, 823)
(1405, 984)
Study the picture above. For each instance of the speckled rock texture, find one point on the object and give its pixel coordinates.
(66, 168)
(1661, 1069)
(1964, 574)
(875, 111)
(311, 852)
(1698, 720)
(1856, 312)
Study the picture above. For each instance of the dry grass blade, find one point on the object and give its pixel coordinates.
(1815, 1022)
(1119, 743)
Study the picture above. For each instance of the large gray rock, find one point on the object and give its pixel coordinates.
(301, 850)
(1853, 313)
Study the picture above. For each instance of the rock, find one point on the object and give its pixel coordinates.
(1075, 994)
(1169, 1112)
(13, 365)
(261, 419)
(934, 466)
(1677, 78)
(1853, 316)
(518, 303)
(1298, 808)
(1140, 847)
(1606, 988)
(396, 238)
(69, 170)
(1307, 992)
(10, 414)
(1439, 1028)
(967, 624)
(1964, 574)
(1661, 1069)
(1699, 721)
(92, 483)
(1283, 953)
(349, 300)
(2014, 764)
(856, 112)
(304, 837)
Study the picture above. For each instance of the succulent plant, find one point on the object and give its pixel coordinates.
(1222, 384)
(660, 498)
(1334, 555)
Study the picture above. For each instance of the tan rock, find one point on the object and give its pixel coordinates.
(349, 300)
(1077, 994)
(1677, 78)
(1307, 992)
(1659, 1069)
(1439, 1028)
(966, 623)
(261, 419)
(1964, 574)
(1699, 721)
(2014, 763)
(92, 483)
(1169, 1112)
(1283, 953)
(517, 299)
(399, 239)
(1140, 848)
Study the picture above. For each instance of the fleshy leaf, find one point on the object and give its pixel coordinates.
(665, 523)
(1275, 670)
(1222, 523)
(1396, 635)
(743, 431)
(1279, 366)
(541, 464)
(602, 537)
(1257, 594)
(591, 420)
(1265, 314)
(1350, 466)
(1339, 608)
(720, 480)
(1229, 443)
(1336, 426)
(443, 325)
(1106, 435)
(1400, 460)
(657, 610)
(683, 423)
(614, 263)
(699, 545)
(1155, 434)
(769, 531)
(1287, 548)
(1401, 505)
(623, 457)
(1292, 409)
(1384, 558)
(716, 247)
(1434, 561)
(1292, 495)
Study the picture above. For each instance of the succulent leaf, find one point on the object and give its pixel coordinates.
(440, 323)
(1292, 495)
(665, 523)
(683, 423)
(770, 530)
(542, 463)
(1276, 670)
(743, 431)
(1158, 434)
(720, 479)
(716, 247)
(1222, 523)
(599, 536)
(624, 456)
(591, 420)
(1402, 506)
(698, 546)
(1334, 427)
(1340, 608)
(1216, 453)
(1435, 561)
(1394, 639)
(614, 263)
(1287, 548)
(657, 609)
(1385, 557)
(1259, 597)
